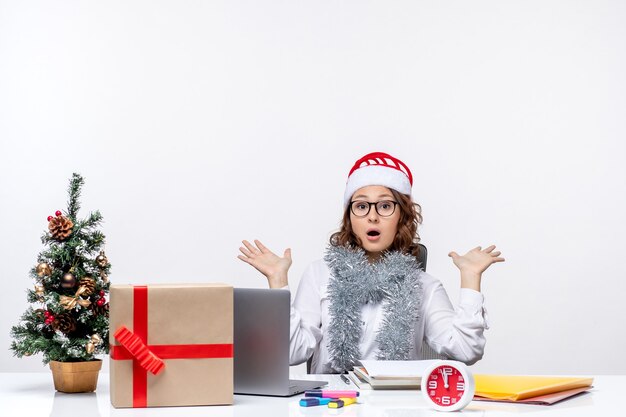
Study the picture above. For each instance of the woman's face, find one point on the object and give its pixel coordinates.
(375, 232)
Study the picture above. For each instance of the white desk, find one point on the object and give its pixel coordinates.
(33, 394)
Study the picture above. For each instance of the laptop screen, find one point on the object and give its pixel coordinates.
(261, 341)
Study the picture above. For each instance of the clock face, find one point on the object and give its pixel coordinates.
(445, 386)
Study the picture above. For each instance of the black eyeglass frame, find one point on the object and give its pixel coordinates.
(375, 204)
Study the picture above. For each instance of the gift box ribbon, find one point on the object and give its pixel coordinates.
(134, 345)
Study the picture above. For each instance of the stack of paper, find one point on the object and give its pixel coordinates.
(528, 389)
(358, 380)
(389, 374)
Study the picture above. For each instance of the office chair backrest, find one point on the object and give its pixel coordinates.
(422, 256)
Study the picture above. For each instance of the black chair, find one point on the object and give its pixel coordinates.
(427, 351)
(422, 256)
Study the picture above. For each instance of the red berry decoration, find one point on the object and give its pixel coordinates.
(49, 318)
(58, 213)
(50, 218)
(100, 301)
(101, 293)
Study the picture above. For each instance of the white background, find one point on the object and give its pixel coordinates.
(201, 123)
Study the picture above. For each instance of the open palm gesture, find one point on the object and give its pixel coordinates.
(267, 262)
(477, 260)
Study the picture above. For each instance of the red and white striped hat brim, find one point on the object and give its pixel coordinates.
(378, 168)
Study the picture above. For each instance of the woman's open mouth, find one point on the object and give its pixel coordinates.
(373, 235)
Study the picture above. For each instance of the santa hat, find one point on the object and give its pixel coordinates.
(378, 168)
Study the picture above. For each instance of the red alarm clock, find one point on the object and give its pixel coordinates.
(448, 385)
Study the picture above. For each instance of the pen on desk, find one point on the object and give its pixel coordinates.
(314, 401)
(327, 393)
(345, 379)
(341, 402)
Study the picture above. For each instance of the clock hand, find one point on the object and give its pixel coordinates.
(444, 374)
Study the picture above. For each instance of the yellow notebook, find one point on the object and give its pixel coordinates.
(515, 388)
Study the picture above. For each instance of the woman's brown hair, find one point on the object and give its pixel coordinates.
(407, 238)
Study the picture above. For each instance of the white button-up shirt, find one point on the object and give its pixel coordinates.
(457, 334)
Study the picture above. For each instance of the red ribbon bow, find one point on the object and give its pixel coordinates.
(133, 344)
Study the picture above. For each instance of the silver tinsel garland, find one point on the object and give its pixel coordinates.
(393, 281)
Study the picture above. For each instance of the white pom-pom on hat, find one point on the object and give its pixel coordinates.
(378, 168)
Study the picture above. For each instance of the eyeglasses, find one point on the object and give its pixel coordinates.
(384, 208)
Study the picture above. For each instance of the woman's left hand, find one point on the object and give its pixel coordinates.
(475, 262)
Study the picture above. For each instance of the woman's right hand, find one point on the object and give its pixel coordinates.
(267, 262)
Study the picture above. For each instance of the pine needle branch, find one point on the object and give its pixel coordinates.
(73, 205)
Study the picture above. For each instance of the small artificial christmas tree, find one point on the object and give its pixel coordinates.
(71, 323)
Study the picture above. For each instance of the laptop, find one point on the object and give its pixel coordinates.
(261, 344)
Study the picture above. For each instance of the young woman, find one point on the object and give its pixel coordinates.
(368, 298)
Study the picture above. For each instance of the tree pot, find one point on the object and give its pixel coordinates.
(75, 376)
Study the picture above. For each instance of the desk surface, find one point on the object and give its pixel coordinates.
(33, 394)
